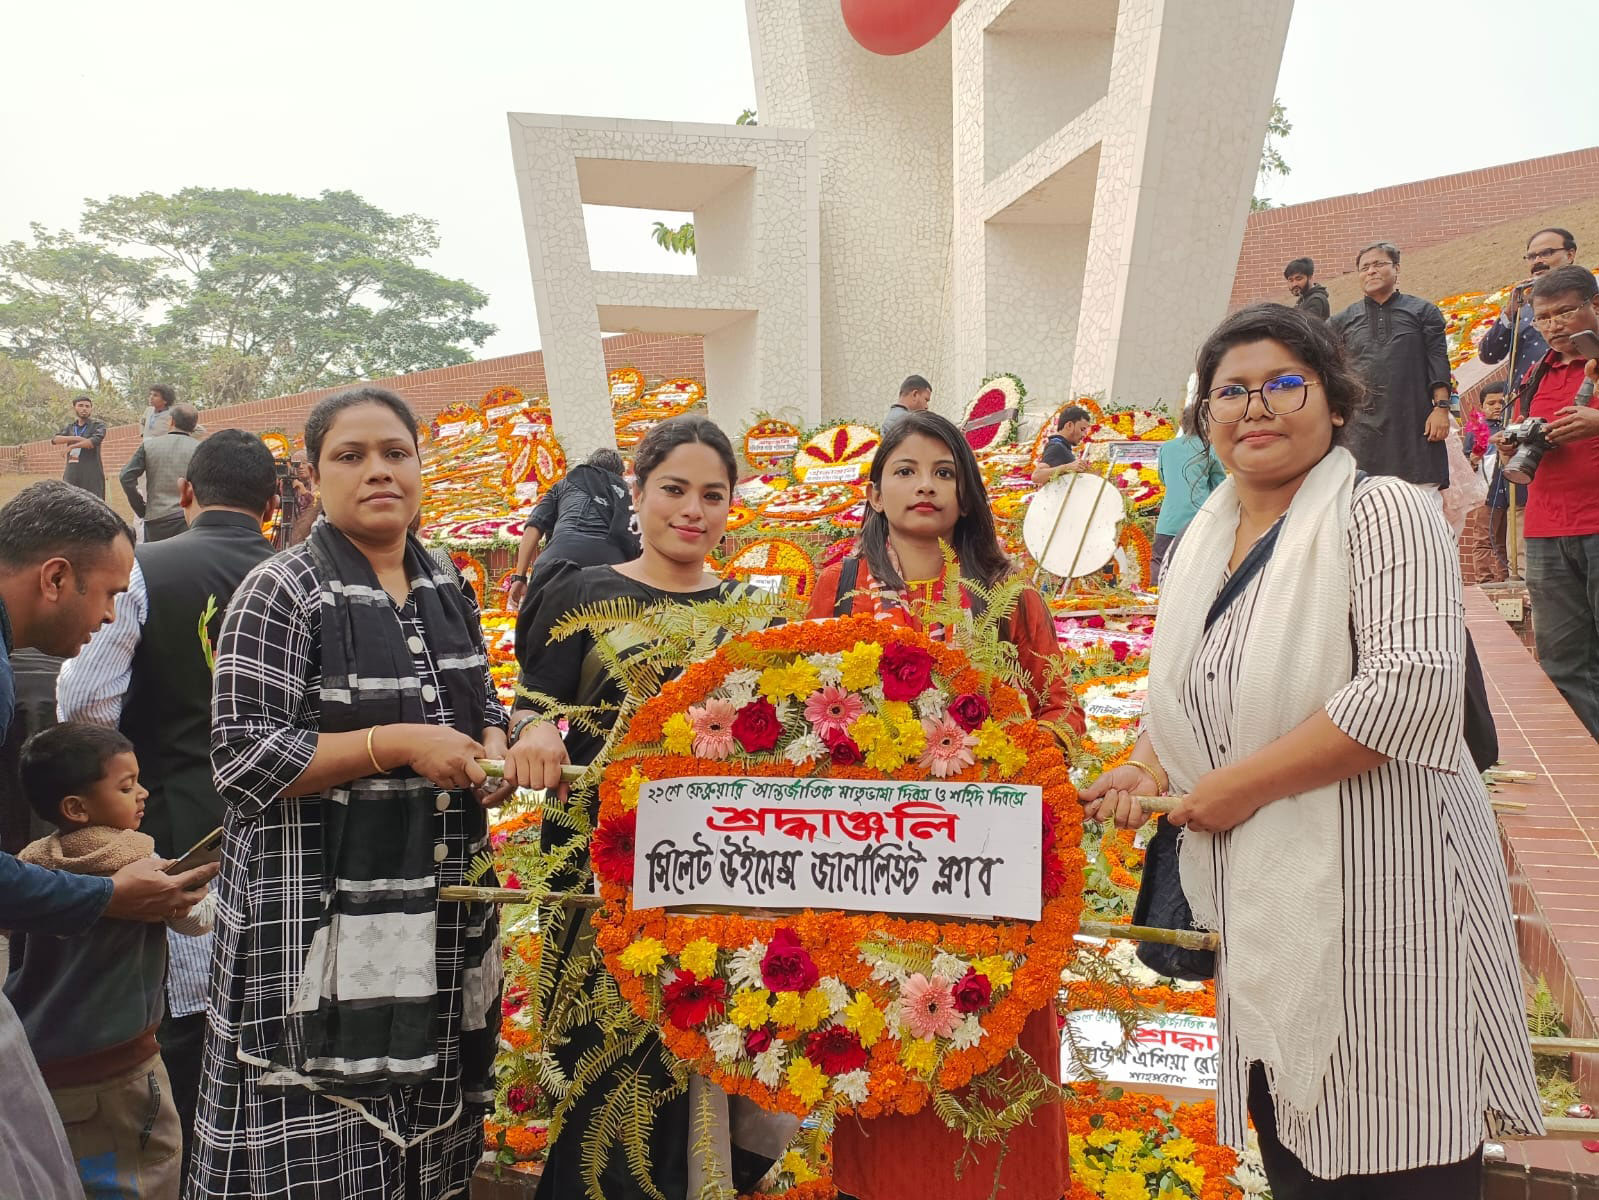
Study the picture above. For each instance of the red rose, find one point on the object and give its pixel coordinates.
(757, 1040)
(787, 966)
(835, 1049)
(972, 992)
(756, 727)
(969, 711)
(611, 848)
(906, 671)
(1137, 466)
(1120, 651)
(843, 750)
(519, 1098)
(1095, 622)
(689, 1001)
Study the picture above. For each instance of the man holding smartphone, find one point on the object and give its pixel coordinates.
(1562, 519)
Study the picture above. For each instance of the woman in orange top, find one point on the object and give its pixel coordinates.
(926, 491)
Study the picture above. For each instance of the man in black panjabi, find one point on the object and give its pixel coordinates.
(1397, 341)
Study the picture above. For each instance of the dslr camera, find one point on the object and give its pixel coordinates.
(1531, 441)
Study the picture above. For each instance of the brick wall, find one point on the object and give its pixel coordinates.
(1411, 215)
(427, 391)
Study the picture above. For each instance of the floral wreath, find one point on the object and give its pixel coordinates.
(998, 393)
(835, 446)
(627, 385)
(763, 430)
(810, 502)
(860, 1011)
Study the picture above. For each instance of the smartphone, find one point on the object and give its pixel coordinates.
(207, 850)
(1586, 342)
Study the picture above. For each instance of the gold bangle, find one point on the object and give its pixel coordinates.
(376, 766)
(1150, 771)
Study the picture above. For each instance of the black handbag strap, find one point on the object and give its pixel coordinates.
(849, 572)
(1254, 562)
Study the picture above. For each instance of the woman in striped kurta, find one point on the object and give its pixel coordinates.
(1426, 1051)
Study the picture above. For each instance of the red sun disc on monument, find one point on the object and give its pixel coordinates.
(896, 26)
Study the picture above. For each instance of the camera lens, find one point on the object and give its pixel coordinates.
(1523, 465)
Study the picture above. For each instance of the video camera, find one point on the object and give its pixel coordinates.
(1531, 439)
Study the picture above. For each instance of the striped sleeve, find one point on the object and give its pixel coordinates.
(1406, 699)
(263, 662)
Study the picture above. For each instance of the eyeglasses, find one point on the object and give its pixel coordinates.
(1558, 317)
(1540, 255)
(1373, 265)
(1286, 394)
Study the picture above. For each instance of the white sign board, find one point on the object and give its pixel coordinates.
(783, 444)
(1176, 1050)
(855, 844)
(1123, 454)
(849, 472)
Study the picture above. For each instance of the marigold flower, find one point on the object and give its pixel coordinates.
(806, 1080)
(678, 734)
(865, 1018)
(644, 957)
(919, 1055)
(858, 666)
(699, 956)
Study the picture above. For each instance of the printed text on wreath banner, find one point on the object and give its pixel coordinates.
(855, 844)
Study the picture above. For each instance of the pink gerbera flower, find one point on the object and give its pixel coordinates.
(713, 728)
(927, 1007)
(949, 747)
(831, 710)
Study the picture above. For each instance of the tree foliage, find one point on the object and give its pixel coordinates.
(1272, 163)
(678, 241)
(230, 293)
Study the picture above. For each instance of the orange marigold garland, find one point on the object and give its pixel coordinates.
(821, 1003)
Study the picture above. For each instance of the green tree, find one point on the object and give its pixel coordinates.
(678, 241)
(1272, 163)
(747, 117)
(33, 403)
(231, 293)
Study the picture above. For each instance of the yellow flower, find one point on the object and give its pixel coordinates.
(867, 731)
(885, 755)
(859, 666)
(698, 956)
(678, 734)
(802, 1011)
(991, 740)
(630, 787)
(1125, 1185)
(1101, 1137)
(644, 957)
(1178, 1147)
(996, 967)
(1011, 759)
(1190, 1173)
(798, 678)
(919, 1055)
(750, 1010)
(865, 1018)
(899, 712)
(794, 1163)
(912, 739)
(806, 1080)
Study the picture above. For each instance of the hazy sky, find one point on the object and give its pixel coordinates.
(405, 103)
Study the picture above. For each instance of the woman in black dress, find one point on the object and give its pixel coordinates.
(684, 473)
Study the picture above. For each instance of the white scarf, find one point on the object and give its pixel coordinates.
(1282, 934)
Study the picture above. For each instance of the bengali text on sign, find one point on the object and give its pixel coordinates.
(1175, 1050)
(857, 844)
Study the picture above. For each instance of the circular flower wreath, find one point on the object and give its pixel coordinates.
(872, 1011)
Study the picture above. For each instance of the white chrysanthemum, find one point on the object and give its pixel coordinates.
(783, 709)
(740, 686)
(727, 1042)
(875, 695)
(851, 1086)
(891, 1021)
(932, 704)
(830, 665)
(968, 1033)
(769, 1064)
(884, 971)
(1123, 955)
(744, 966)
(837, 993)
(1250, 1181)
(804, 748)
(949, 967)
(1187, 985)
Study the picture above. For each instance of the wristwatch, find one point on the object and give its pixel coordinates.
(514, 577)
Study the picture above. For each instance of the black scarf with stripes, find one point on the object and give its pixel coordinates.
(363, 1014)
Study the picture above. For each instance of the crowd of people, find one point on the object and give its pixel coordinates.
(322, 1024)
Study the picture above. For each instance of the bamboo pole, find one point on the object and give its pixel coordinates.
(1571, 1127)
(1188, 939)
(1565, 1045)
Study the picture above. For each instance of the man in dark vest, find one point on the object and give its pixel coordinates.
(147, 673)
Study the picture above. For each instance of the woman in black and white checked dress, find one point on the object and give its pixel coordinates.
(277, 768)
(1426, 1050)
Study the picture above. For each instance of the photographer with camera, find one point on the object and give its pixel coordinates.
(1551, 443)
